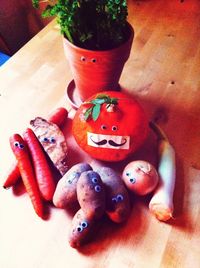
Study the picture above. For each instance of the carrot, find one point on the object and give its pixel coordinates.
(58, 117)
(22, 155)
(43, 173)
(12, 176)
(161, 203)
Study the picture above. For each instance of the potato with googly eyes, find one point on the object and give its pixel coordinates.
(91, 194)
(81, 229)
(118, 206)
(65, 193)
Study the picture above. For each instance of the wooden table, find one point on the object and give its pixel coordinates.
(163, 74)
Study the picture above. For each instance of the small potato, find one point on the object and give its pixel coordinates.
(65, 193)
(81, 229)
(117, 198)
(140, 177)
(91, 194)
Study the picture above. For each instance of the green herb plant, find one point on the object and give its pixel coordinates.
(90, 24)
(94, 110)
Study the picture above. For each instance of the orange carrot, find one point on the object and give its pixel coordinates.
(58, 117)
(161, 203)
(12, 176)
(22, 155)
(43, 173)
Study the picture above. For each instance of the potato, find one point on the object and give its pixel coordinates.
(65, 193)
(117, 198)
(81, 229)
(91, 194)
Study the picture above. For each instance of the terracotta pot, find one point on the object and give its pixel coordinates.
(96, 71)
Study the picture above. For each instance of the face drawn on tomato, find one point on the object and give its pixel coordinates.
(114, 134)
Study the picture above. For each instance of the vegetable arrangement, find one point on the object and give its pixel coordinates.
(98, 192)
(32, 165)
(57, 117)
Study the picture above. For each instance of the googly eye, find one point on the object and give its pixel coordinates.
(21, 146)
(114, 200)
(45, 139)
(83, 58)
(16, 144)
(132, 180)
(93, 60)
(84, 224)
(79, 229)
(103, 127)
(120, 198)
(97, 188)
(114, 128)
(52, 140)
(94, 180)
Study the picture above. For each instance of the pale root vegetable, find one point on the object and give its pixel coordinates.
(65, 194)
(140, 177)
(118, 206)
(161, 203)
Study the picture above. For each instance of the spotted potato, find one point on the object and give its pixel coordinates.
(117, 197)
(65, 193)
(81, 229)
(91, 194)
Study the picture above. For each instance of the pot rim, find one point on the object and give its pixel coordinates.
(84, 50)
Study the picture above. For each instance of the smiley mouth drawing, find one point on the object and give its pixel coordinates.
(108, 141)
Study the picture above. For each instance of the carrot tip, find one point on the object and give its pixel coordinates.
(5, 187)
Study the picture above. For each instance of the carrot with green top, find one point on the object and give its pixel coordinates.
(42, 170)
(20, 150)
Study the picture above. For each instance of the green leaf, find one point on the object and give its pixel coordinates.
(114, 101)
(102, 96)
(88, 113)
(96, 111)
(98, 101)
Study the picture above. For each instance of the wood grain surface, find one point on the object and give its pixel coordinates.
(163, 74)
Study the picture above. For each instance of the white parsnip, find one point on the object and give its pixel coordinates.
(161, 204)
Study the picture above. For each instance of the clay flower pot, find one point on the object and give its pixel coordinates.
(95, 71)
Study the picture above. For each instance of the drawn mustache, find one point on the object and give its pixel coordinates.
(111, 142)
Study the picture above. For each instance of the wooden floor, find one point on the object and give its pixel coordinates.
(163, 73)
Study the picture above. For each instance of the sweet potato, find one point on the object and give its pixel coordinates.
(81, 229)
(91, 194)
(65, 193)
(117, 198)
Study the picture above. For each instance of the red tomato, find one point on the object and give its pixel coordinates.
(115, 131)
